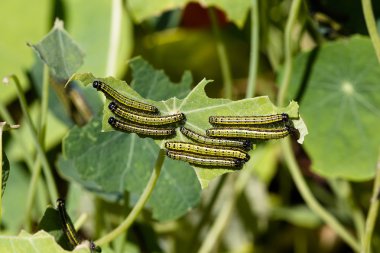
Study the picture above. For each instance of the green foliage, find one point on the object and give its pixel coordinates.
(115, 183)
(197, 107)
(59, 52)
(340, 104)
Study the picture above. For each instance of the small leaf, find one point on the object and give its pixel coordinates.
(40, 242)
(340, 103)
(58, 50)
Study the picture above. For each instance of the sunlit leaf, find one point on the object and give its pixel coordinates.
(340, 90)
(58, 50)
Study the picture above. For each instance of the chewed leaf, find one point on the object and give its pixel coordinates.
(197, 107)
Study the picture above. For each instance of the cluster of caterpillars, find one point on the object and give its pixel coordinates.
(226, 144)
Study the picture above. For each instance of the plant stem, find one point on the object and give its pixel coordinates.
(225, 214)
(311, 201)
(206, 213)
(371, 26)
(372, 214)
(45, 164)
(115, 35)
(1, 169)
(222, 54)
(286, 145)
(124, 226)
(254, 55)
(41, 137)
(288, 51)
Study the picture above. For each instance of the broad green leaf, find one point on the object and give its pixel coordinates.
(236, 11)
(198, 107)
(95, 39)
(340, 104)
(16, 29)
(5, 172)
(114, 162)
(111, 163)
(41, 242)
(151, 83)
(58, 50)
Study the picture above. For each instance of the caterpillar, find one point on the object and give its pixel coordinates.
(139, 129)
(69, 230)
(123, 100)
(245, 144)
(145, 119)
(206, 150)
(207, 161)
(248, 133)
(248, 120)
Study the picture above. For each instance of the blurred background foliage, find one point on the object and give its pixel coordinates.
(270, 214)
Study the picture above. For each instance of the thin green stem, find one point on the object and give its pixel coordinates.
(356, 213)
(206, 213)
(124, 226)
(288, 51)
(371, 26)
(222, 54)
(313, 204)
(44, 105)
(225, 214)
(1, 169)
(372, 214)
(254, 55)
(115, 36)
(45, 164)
(28, 158)
(36, 172)
(305, 192)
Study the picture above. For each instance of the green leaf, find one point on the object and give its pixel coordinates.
(198, 107)
(151, 83)
(340, 104)
(58, 50)
(5, 174)
(41, 242)
(115, 162)
(236, 11)
(110, 163)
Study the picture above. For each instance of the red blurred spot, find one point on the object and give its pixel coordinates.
(196, 16)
